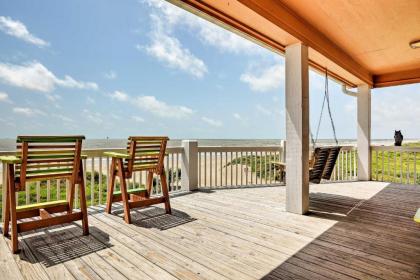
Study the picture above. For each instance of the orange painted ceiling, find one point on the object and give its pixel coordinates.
(357, 40)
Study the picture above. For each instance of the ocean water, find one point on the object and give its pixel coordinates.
(9, 144)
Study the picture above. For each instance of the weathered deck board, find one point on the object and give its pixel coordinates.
(358, 230)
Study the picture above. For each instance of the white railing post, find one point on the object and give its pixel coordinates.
(189, 165)
(3, 190)
(283, 151)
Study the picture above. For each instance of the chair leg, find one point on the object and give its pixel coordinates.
(110, 191)
(149, 183)
(83, 206)
(12, 203)
(6, 211)
(124, 194)
(165, 192)
(70, 198)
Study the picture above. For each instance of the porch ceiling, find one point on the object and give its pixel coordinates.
(357, 41)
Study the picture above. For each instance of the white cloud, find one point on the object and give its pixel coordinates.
(237, 116)
(69, 82)
(119, 95)
(35, 76)
(4, 97)
(263, 110)
(161, 109)
(208, 32)
(137, 119)
(94, 117)
(170, 51)
(29, 112)
(17, 29)
(212, 122)
(90, 100)
(265, 79)
(64, 118)
(111, 75)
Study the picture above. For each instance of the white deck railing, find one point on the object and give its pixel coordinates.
(395, 164)
(238, 166)
(223, 167)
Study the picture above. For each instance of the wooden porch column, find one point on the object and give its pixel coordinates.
(363, 133)
(297, 129)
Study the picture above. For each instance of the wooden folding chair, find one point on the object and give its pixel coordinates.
(143, 154)
(40, 158)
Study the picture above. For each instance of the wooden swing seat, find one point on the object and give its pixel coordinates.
(321, 164)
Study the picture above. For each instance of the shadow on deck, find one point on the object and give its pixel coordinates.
(358, 230)
(373, 238)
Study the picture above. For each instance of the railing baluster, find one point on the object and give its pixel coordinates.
(236, 168)
(376, 166)
(347, 169)
(388, 163)
(382, 168)
(58, 196)
(199, 169)
(177, 175)
(231, 167)
(415, 168)
(205, 168)
(38, 191)
(92, 181)
(242, 169)
(246, 166)
(401, 167)
(107, 174)
(27, 193)
(48, 190)
(408, 167)
(221, 168)
(173, 171)
(211, 169)
(100, 181)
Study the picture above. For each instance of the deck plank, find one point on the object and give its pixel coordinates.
(360, 230)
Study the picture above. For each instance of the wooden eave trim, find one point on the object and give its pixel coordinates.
(397, 78)
(280, 15)
(220, 18)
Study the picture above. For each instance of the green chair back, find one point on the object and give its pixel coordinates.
(48, 157)
(146, 153)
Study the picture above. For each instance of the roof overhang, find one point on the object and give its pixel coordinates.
(277, 24)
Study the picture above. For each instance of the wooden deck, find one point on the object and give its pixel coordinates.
(355, 230)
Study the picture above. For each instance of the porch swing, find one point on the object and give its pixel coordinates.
(323, 159)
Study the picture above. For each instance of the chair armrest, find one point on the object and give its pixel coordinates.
(82, 156)
(117, 155)
(279, 163)
(10, 159)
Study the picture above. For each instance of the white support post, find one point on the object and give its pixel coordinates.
(297, 129)
(189, 165)
(363, 133)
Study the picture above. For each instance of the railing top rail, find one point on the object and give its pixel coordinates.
(239, 149)
(100, 151)
(395, 149)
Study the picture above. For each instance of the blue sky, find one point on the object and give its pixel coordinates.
(118, 68)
